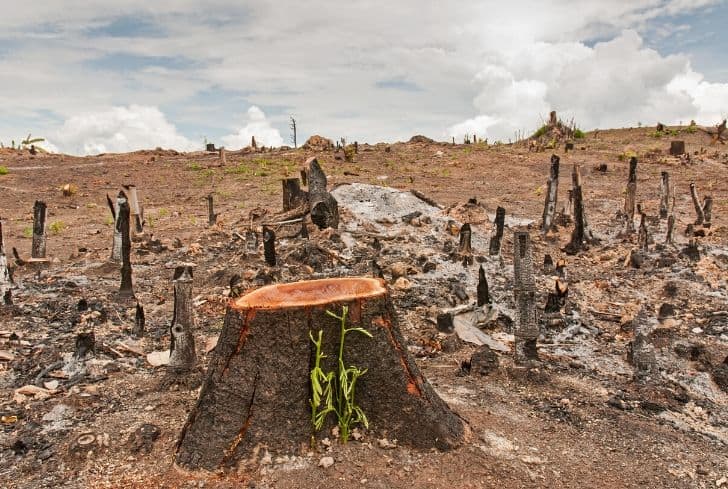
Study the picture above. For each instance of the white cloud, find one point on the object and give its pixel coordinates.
(615, 83)
(484, 66)
(118, 130)
(258, 126)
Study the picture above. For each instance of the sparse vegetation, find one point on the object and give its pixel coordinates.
(4, 170)
(28, 232)
(579, 134)
(56, 227)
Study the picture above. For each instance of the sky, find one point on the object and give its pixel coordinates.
(92, 76)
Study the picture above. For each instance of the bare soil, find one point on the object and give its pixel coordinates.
(579, 419)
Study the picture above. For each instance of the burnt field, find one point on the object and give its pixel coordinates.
(615, 375)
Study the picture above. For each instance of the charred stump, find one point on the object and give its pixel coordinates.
(116, 242)
(257, 389)
(670, 229)
(182, 342)
(581, 234)
(483, 296)
(6, 282)
(664, 194)
(323, 206)
(630, 198)
(293, 196)
(707, 211)
(677, 148)
(526, 328)
(211, 216)
(139, 321)
(465, 248)
(126, 289)
(38, 248)
(136, 219)
(552, 189)
(269, 246)
(495, 240)
(700, 219)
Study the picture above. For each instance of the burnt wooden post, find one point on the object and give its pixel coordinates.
(38, 248)
(251, 242)
(6, 282)
(700, 219)
(643, 236)
(211, 216)
(495, 240)
(526, 328)
(269, 246)
(552, 189)
(465, 239)
(125, 289)
(223, 158)
(677, 148)
(136, 219)
(293, 196)
(116, 242)
(664, 194)
(139, 321)
(182, 354)
(253, 144)
(323, 206)
(483, 296)
(670, 228)
(630, 196)
(257, 388)
(581, 233)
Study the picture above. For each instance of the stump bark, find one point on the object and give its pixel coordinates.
(38, 248)
(495, 240)
(630, 198)
(664, 194)
(182, 342)
(551, 195)
(257, 389)
(293, 196)
(126, 289)
(677, 148)
(323, 206)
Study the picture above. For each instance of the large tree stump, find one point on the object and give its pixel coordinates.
(38, 248)
(677, 148)
(552, 191)
(257, 389)
(526, 330)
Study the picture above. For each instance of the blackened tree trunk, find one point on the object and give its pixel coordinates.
(552, 189)
(707, 210)
(526, 329)
(211, 216)
(116, 243)
(630, 196)
(38, 248)
(495, 240)
(269, 246)
(293, 196)
(182, 354)
(257, 389)
(323, 206)
(664, 194)
(126, 289)
(6, 282)
(136, 219)
(139, 321)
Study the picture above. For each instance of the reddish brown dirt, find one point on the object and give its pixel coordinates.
(551, 427)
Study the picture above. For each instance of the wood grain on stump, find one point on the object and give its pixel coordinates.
(257, 389)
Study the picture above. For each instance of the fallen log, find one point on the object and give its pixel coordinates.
(257, 390)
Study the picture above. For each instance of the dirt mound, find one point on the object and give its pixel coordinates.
(419, 138)
(318, 143)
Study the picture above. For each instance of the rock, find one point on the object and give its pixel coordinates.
(399, 269)
(483, 361)
(326, 462)
(318, 143)
(386, 444)
(402, 284)
(158, 358)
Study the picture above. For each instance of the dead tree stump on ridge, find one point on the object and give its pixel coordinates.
(257, 389)
(38, 248)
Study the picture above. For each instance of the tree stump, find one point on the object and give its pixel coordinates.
(38, 248)
(677, 148)
(495, 240)
(6, 282)
(258, 387)
(126, 289)
(293, 196)
(182, 342)
(551, 195)
(630, 197)
(323, 206)
(664, 194)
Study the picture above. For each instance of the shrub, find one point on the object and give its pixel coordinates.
(579, 134)
(4, 170)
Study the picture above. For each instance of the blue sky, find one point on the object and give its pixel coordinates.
(92, 77)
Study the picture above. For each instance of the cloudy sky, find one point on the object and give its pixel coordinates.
(94, 76)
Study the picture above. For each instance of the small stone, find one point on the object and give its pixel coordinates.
(386, 444)
(326, 462)
(697, 330)
(402, 284)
